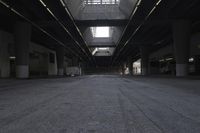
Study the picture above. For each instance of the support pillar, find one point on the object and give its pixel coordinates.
(75, 61)
(60, 52)
(121, 69)
(154, 67)
(22, 35)
(82, 68)
(144, 60)
(197, 64)
(4, 55)
(130, 66)
(124, 68)
(181, 36)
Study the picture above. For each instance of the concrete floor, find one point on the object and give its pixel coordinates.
(100, 104)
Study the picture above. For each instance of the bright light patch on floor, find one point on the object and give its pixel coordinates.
(100, 32)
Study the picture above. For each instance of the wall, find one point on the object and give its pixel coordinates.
(195, 44)
(41, 62)
(117, 32)
(126, 6)
(162, 52)
(75, 7)
(167, 53)
(194, 48)
(93, 12)
(87, 34)
(39, 57)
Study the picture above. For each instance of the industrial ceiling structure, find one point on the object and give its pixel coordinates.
(73, 24)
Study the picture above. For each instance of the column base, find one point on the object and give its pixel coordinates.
(181, 70)
(22, 71)
(5, 71)
(144, 71)
(60, 72)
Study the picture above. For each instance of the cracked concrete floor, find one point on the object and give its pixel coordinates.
(100, 104)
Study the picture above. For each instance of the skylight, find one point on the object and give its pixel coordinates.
(102, 51)
(100, 2)
(101, 32)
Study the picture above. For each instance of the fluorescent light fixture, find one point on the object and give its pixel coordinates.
(63, 3)
(169, 59)
(139, 2)
(43, 3)
(12, 57)
(191, 60)
(162, 60)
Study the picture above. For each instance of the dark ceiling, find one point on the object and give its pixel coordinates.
(149, 25)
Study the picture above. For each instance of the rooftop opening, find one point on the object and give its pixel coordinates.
(102, 51)
(100, 32)
(100, 2)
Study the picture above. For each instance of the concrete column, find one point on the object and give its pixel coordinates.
(130, 66)
(22, 40)
(124, 68)
(181, 36)
(154, 67)
(81, 68)
(121, 69)
(144, 59)
(60, 52)
(75, 62)
(197, 64)
(4, 55)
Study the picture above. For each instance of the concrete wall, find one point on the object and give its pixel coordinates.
(87, 34)
(93, 12)
(90, 12)
(162, 52)
(41, 63)
(126, 6)
(75, 7)
(117, 32)
(73, 71)
(39, 57)
(101, 40)
(165, 56)
(195, 44)
(194, 48)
